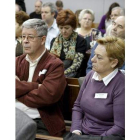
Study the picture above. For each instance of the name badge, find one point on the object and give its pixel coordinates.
(101, 95)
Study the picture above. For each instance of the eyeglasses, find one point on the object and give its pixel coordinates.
(29, 37)
(87, 19)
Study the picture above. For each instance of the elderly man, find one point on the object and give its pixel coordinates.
(37, 12)
(48, 13)
(116, 12)
(40, 80)
(118, 30)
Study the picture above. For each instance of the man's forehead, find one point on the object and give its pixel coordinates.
(120, 20)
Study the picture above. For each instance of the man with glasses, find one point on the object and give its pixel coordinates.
(40, 80)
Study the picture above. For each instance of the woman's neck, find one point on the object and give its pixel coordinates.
(85, 31)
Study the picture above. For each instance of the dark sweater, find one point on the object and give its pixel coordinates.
(100, 116)
(34, 15)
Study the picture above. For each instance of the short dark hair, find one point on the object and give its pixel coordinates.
(59, 3)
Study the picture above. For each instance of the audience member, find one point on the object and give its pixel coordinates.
(99, 109)
(17, 8)
(106, 20)
(116, 12)
(68, 46)
(59, 5)
(86, 18)
(47, 13)
(118, 30)
(21, 16)
(37, 12)
(21, 3)
(25, 126)
(40, 80)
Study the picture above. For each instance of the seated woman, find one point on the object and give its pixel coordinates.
(68, 46)
(86, 18)
(21, 16)
(100, 106)
(106, 19)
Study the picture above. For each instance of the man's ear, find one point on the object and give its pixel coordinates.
(114, 63)
(43, 40)
(53, 14)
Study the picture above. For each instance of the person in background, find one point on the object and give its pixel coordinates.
(106, 19)
(37, 12)
(40, 80)
(47, 12)
(118, 30)
(99, 109)
(21, 3)
(116, 12)
(68, 46)
(21, 16)
(86, 18)
(59, 5)
(17, 8)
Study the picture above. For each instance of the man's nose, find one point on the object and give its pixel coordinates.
(114, 28)
(25, 39)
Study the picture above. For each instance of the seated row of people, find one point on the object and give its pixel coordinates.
(40, 84)
(74, 62)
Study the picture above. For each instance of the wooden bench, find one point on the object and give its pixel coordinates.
(45, 137)
(70, 96)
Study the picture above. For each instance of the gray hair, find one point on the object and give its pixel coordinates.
(39, 25)
(51, 5)
(122, 12)
(86, 11)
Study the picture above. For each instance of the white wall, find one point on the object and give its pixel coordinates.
(100, 7)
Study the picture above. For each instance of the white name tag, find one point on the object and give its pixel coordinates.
(101, 95)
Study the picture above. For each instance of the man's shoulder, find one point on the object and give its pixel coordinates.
(32, 13)
(53, 60)
(21, 57)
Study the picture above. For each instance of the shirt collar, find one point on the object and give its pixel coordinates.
(106, 79)
(35, 61)
(54, 25)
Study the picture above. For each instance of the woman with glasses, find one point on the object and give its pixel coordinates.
(21, 16)
(86, 18)
(68, 46)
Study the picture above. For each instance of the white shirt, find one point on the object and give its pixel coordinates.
(31, 112)
(53, 32)
(106, 79)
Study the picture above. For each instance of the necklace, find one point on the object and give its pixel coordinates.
(66, 43)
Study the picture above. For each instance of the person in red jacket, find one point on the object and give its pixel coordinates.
(40, 80)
